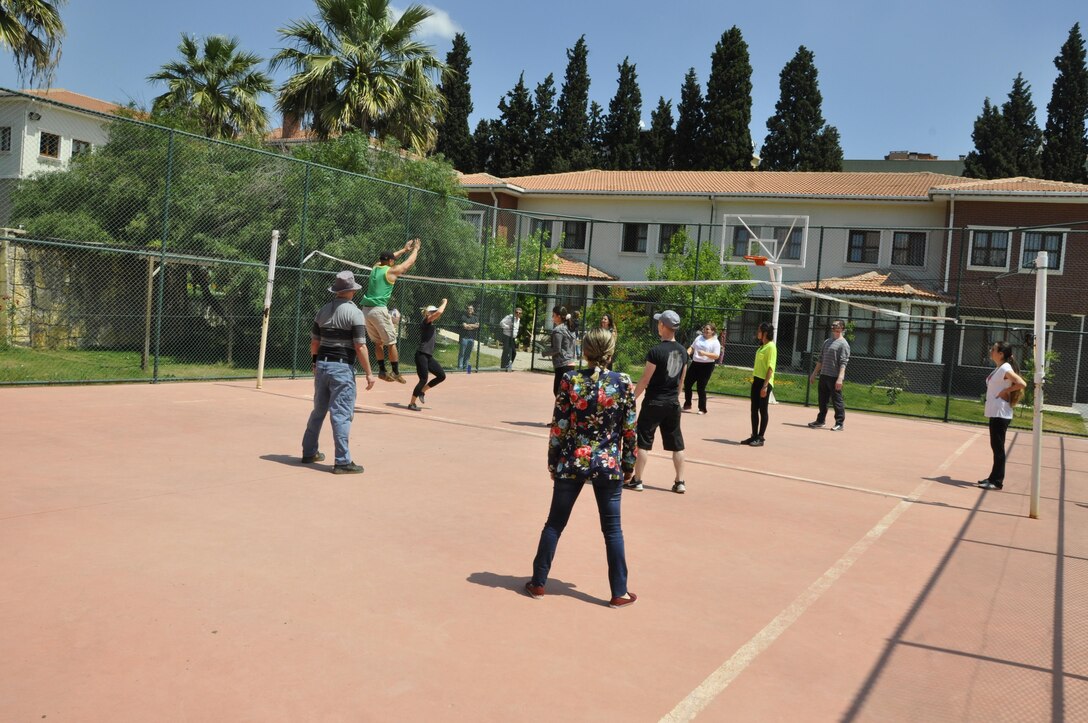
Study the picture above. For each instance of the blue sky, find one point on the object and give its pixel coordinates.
(894, 75)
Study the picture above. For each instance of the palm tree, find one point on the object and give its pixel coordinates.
(358, 68)
(32, 29)
(216, 86)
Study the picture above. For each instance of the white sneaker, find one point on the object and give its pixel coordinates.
(679, 488)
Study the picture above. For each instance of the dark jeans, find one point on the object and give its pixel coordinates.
(698, 375)
(759, 407)
(509, 351)
(465, 353)
(425, 364)
(558, 378)
(564, 494)
(998, 427)
(829, 392)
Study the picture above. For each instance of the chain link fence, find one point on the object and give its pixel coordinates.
(145, 257)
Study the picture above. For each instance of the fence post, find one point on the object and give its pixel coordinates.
(301, 274)
(483, 291)
(949, 367)
(813, 316)
(536, 300)
(694, 287)
(4, 246)
(162, 252)
(146, 356)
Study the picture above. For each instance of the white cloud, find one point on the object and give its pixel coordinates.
(440, 26)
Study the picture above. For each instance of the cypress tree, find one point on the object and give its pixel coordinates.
(728, 108)
(544, 120)
(992, 156)
(454, 140)
(797, 137)
(1065, 149)
(689, 146)
(1025, 138)
(657, 142)
(572, 148)
(483, 143)
(597, 151)
(621, 128)
(514, 144)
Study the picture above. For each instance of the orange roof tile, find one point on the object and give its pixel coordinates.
(577, 269)
(479, 179)
(1019, 184)
(875, 283)
(86, 102)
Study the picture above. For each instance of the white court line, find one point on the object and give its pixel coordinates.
(719, 680)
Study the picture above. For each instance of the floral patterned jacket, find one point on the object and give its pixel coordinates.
(593, 427)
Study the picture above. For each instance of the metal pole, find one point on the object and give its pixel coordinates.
(1041, 262)
(162, 252)
(958, 327)
(301, 274)
(775, 272)
(146, 356)
(267, 306)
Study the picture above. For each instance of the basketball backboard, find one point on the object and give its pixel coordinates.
(781, 239)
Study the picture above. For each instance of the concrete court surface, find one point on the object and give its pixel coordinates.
(166, 558)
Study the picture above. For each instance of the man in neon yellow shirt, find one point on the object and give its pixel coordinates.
(375, 305)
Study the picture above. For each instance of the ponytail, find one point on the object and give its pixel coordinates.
(1004, 348)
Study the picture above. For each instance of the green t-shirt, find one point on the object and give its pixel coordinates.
(379, 288)
(766, 358)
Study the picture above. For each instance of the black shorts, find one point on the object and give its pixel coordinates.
(666, 416)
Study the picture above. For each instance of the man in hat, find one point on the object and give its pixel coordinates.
(662, 378)
(379, 324)
(337, 339)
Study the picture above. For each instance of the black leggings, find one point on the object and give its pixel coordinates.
(759, 407)
(698, 376)
(558, 378)
(425, 364)
(998, 427)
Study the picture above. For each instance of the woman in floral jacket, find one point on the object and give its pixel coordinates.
(592, 440)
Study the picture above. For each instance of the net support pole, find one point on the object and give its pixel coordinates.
(267, 305)
(775, 272)
(1041, 262)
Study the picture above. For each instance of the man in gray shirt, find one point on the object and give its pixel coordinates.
(830, 370)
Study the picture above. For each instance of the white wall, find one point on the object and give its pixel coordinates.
(24, 159)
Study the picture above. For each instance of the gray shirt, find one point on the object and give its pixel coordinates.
(339, 326)
(564, 347)
(834, 355)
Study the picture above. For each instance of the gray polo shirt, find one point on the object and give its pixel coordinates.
(834, 355)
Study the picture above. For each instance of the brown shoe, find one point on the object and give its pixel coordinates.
(400, 379)
(621, 602)
(385, 377)
(349, 468)
(534, 591)
(311, 458)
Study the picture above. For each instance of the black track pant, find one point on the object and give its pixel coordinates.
(425, 364)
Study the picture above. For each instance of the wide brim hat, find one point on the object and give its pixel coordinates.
(345, 281)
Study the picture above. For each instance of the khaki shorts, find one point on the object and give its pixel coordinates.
(379, 325)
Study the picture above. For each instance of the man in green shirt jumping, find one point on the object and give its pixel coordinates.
(375, 306)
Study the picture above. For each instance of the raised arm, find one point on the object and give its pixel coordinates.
(433, 316)
(412, 247)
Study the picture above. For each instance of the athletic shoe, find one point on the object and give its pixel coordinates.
(757, 442)
(422, 399)
(702, 411)
(983, 482)
(349, 468)
(622, 602)
(635, 484)
(990, 485)
(679, 488)
(816, 425)
(385, 377)
(837, 428)
(414, 407)
(687, 407)
(400, 379)
(316, 457)
(534, 591)
(748, 441)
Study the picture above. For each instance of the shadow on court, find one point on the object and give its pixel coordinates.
(516, 584)
(946, 480)
(538, 425)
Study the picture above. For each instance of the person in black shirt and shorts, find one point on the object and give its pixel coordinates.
(425, 361)
(662, 379)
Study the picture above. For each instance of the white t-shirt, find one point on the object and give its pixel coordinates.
(995, 383)
(710, 346)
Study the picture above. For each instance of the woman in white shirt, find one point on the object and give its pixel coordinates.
(1003, 388)
(704, 353)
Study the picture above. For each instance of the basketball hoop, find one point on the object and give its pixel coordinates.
(757, 260)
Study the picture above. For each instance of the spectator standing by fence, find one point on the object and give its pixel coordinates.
(470, 323)
(510, 325)
(831, 370)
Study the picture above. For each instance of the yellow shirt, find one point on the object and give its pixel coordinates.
(766, 358)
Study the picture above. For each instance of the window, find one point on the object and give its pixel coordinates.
(979, 336)
(989, 249)
(80, 147)
(741, 237)
(863, 247)
(571, 296)
(634, 237)
(792, 250)
(541, 228)
(5, 138)
(574, 234)
(1036, 241)
(909, 248)
(476, 220)
(741, 328)
(920, 341)
(665, 233)
(49, 145)
(875, 334)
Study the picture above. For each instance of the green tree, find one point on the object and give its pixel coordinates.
(356, 68)
(544, 120)
(622, 127)
(993, 153)
(1065, 148)
(514, 143)
(454, 138)
(657, 142)
(687, 260)
(483, 143)
(1025, 137)
(216, 85)
(597, 125)
(690, 148)
(797, 137)
(32, 31)
(728, 108)
(572, 143)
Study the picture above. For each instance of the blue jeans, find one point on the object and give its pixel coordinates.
(334, 394)
(564, 495)
(465, 355)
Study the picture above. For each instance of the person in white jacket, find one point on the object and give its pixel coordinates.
(510, 325)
